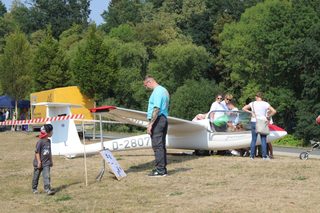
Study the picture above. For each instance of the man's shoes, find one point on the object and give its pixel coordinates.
(35, 191)
(50, 192)
(156, 173)
(251, 158)
(266, 158)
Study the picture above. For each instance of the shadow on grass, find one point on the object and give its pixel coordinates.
(171, 158)
(60, 188)
(134, 155)
(177, 170)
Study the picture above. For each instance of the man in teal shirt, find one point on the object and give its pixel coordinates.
(157, 114)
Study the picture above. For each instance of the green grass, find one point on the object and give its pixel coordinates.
(63, 197)
(300, 177)
(176, 193)
(206, 184)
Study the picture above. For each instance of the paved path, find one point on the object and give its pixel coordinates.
(295, 152)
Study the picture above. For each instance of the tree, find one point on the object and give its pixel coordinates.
(131, 58)
(306, 60)
(93, 66)
(15, 66)
(50, 69)
(37, 37)
(60, 14)
(22, 16)
(125, 32)
(3, 9)
(284, 101)
(7, 26)
(156, 3)
(160, 30)
(177, 62)
(197, 18)
(185, 105)
(121, 12)
(275, 45)
(260, 47)
(306, 127)
(69, 40)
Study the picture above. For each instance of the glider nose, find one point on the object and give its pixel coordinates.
(278, 132)
(282, 133)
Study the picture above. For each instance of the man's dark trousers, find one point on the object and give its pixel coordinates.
(158, 138)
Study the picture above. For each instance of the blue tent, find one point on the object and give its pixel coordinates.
(23, 104)
(7, 102)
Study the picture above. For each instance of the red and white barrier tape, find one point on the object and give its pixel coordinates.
(41, 120)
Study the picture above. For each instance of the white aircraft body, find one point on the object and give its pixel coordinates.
(182, 134)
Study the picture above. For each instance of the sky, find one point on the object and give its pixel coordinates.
(97, 7)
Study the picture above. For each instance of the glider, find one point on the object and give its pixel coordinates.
(182, 134)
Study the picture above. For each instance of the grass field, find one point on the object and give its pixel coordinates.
(194, 184)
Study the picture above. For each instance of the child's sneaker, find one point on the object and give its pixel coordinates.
(35, 191)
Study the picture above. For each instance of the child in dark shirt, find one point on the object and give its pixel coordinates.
(43, 160)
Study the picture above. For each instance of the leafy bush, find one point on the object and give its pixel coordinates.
(289, 140)
(193, 97)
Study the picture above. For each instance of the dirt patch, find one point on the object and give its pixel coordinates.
(194, 184)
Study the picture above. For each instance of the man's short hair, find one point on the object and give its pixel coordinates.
(148, 77)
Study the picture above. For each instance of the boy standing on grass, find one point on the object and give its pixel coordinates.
(43, 160)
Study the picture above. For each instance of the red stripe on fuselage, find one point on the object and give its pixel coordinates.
(275, 128)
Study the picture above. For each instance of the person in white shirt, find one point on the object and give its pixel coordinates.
(217, 115)
(7, 114)
(259, 108)
(227, 98)
(216, 105)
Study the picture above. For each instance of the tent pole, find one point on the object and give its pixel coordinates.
(101, 173)
(85, 154)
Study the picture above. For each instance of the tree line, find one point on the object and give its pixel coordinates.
(195, 48)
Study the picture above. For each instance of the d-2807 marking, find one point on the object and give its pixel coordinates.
(131, 143)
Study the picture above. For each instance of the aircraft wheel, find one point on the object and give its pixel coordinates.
(201, 152)
(304, 155)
